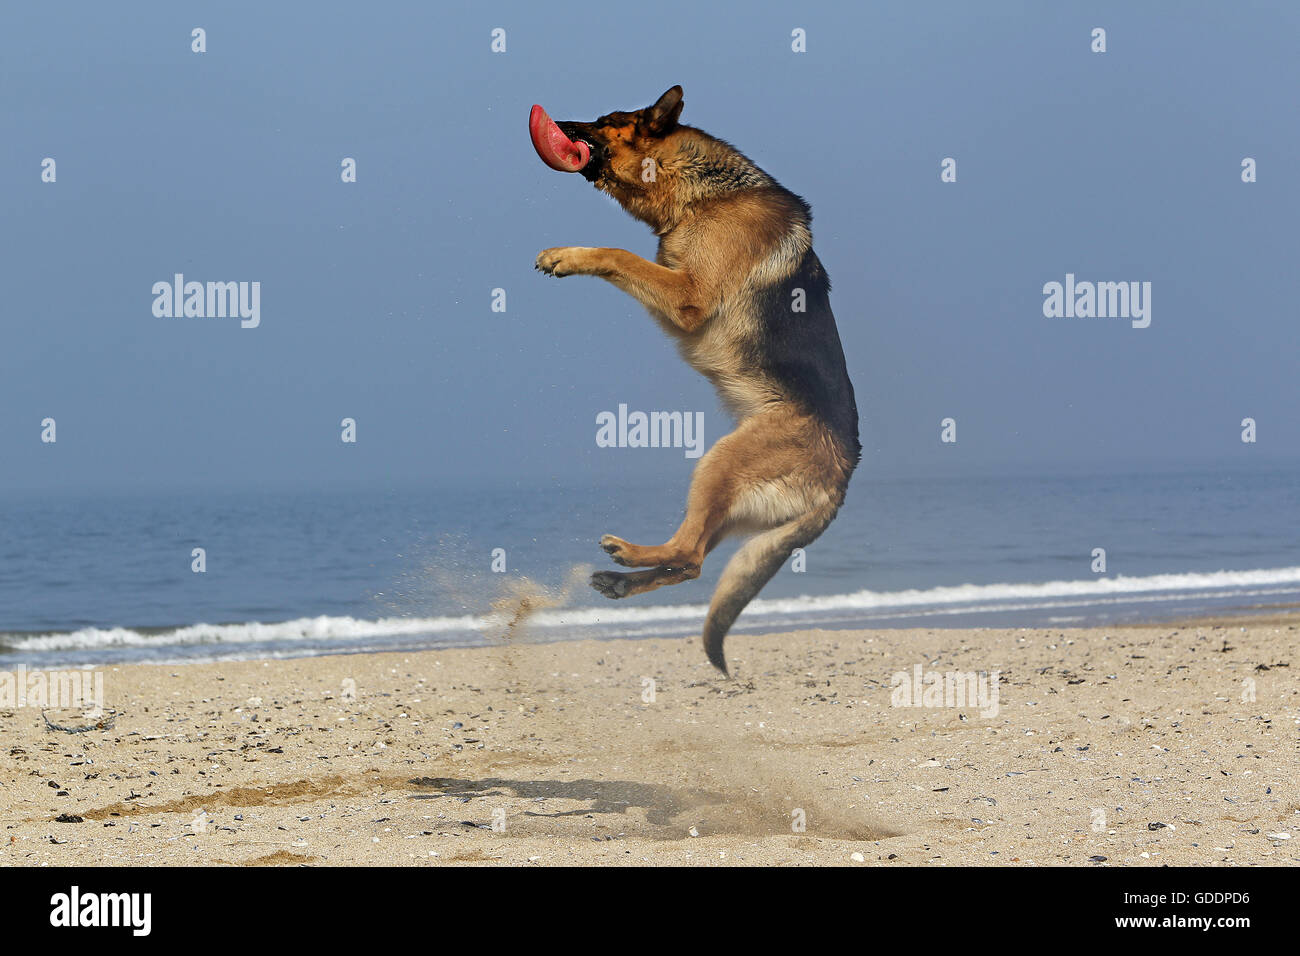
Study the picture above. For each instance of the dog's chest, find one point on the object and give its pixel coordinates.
(724, 352)
(726, 346)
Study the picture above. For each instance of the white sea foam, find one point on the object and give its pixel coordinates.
(303, 629)
(631, 620)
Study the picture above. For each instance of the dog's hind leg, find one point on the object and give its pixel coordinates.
(780, 474)
(621, 584)
(739, 480)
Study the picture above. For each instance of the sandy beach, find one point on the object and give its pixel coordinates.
(1172, 744)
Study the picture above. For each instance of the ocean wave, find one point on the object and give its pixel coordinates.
(989, 593)
(322, 629)
(939, 601)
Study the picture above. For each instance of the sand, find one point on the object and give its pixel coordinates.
(1122, 746)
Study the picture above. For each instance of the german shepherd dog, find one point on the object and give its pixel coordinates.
(737, 285)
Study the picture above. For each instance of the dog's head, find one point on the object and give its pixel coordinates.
(620, 153)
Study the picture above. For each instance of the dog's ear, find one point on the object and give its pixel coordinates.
(662, 117)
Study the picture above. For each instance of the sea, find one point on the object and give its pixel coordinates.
(97, 579)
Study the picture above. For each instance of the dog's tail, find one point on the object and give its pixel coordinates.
(753, 566)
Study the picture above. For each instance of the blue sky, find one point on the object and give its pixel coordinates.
(376, 296)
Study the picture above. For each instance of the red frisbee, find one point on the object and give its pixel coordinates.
(556, 149)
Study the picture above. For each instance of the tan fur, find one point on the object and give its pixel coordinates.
(781, 475)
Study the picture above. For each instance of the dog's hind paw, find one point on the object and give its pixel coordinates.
(614, 548)
(612, 584)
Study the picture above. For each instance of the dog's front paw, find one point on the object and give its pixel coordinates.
(561, 261)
